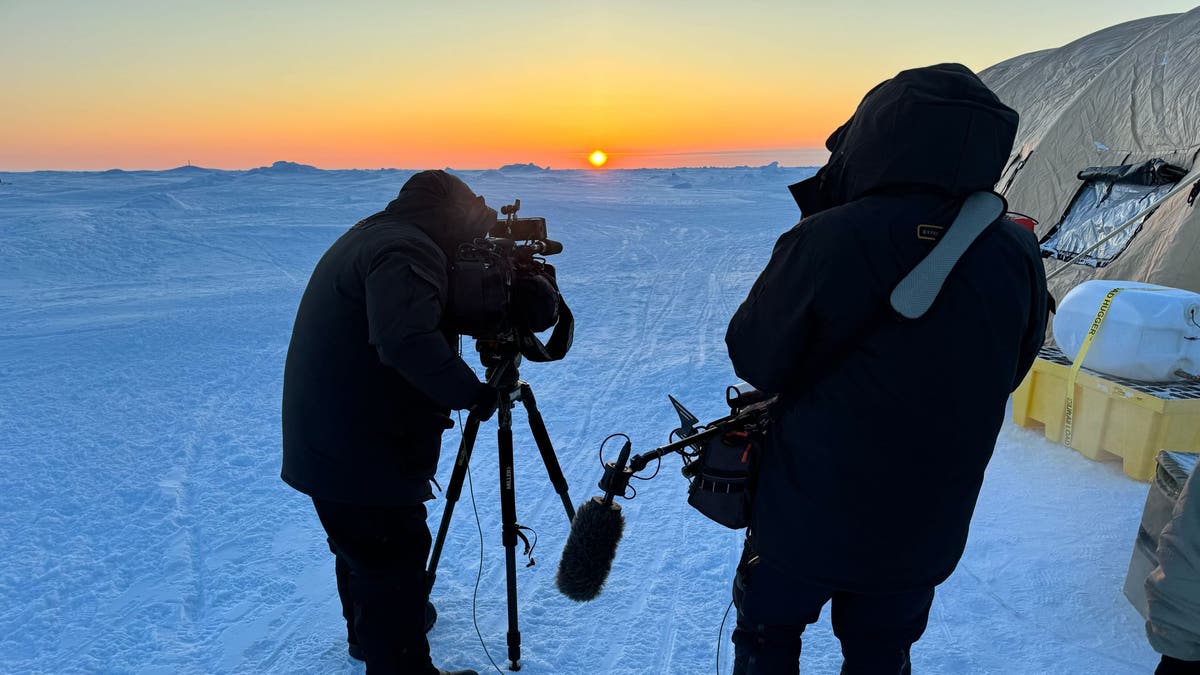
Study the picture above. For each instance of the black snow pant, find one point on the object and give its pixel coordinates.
(774, 607)
(1173, 666)
(380, 567)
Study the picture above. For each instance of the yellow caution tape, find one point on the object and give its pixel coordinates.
(1105, 305)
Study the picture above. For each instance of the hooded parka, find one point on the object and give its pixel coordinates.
(884, 426)
(370, 375)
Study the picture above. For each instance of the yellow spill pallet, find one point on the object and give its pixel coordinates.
(1114, 418)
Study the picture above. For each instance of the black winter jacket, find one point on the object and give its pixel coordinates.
(884, 427)
(370, 375)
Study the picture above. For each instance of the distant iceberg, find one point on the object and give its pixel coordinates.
(286, 169)
(189, 169)
(523, 168)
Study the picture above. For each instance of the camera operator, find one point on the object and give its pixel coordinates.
(371, 377)
(873, 464)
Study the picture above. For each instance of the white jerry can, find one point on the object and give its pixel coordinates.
(1149, 333)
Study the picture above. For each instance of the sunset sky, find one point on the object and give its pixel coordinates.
(152, 85)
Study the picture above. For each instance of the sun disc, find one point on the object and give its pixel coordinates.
(598, 158)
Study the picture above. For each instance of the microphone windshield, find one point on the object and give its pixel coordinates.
(591, 546)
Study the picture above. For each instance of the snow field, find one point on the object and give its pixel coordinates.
(144, 318)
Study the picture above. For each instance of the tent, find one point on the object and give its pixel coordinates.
(1110, 127)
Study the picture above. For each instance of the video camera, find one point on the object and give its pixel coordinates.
(503, 292)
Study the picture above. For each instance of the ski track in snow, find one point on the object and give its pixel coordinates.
(144, 319)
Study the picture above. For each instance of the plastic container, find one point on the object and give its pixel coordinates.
(1151, 333)
(1115, 418)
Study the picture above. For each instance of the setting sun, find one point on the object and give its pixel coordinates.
(598, 158)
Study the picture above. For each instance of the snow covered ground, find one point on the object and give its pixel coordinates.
(144, 318)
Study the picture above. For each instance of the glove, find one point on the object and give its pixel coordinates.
(485, 403)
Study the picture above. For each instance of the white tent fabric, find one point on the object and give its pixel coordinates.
(1124, 95)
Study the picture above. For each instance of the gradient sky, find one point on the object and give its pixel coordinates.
(228, 84)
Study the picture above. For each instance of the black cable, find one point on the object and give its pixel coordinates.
(479, 575)
(721, 636)
(605, 442)
(657, 468)
(521, 529)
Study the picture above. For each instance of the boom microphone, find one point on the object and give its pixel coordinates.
(590, 549)
(592, 544)
(598, 524)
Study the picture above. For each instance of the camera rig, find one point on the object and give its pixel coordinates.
(530, 230)
(503, 292)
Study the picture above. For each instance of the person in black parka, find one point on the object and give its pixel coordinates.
(370, 379)
(869, 474)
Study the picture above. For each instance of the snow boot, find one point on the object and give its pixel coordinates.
(356, 652)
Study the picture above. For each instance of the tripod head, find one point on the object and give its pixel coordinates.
(501, 360)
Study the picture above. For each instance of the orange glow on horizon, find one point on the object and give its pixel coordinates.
(245, 106)
(598, 158)
(113, 86)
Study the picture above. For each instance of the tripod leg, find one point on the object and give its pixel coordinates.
(542, 437)
(453, 490)
(508, 511)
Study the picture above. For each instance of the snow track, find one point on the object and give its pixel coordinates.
(144, 318)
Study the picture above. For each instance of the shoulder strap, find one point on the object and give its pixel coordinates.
(915, 293)
(553, 349)
(533, 349)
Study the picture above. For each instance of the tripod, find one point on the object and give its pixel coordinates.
(502, 373)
